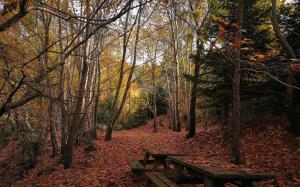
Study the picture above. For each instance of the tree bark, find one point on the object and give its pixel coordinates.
(292, 101)
(235, 154)
(47, 22)
(154, 94)
(108, 135)
(192, 128)
(76, 119)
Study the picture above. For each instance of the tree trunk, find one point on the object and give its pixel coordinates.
(76, 119)
(61, 94)
(283, 42)
(96, 103)
(113, 110)
(154, 95)
(192, 129)
(47, 22)
(292, 101)
(108, 135)
(235, 154)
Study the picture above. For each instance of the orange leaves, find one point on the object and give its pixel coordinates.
(238, 43)
(257, 58)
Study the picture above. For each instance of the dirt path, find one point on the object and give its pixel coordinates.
(106, 166)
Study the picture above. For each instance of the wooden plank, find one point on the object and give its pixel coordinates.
(159, 180)
(166, 180)
(162, 152)
(223, 173)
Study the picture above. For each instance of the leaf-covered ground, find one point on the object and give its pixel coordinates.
(268, 147)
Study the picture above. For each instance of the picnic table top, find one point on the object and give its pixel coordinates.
(220, 170)
(163, 152)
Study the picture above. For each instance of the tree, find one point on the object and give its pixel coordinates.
(116, 114)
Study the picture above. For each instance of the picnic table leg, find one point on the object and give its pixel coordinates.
(209, 182)
(166, 166)
(156, 164)
(178, 172)
(146, 158)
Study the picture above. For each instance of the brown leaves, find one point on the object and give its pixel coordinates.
(268, 147)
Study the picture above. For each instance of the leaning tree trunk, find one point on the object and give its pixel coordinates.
(292, 102)
(121, 77)
(108, 135)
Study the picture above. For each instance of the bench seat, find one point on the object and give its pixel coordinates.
(158, 179)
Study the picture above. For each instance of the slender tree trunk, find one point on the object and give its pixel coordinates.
(121, 76)
(86, 128)
(170, 105)
(47, 22)
(291, 97)
(178, 125)
(283, 42)
(236, 91)
(192, 129)
(76, 119)
(154, 95)
(108, 135)
(97, 97)
(174, 39)
(61, 94)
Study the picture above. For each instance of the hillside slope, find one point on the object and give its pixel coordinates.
(267, 146)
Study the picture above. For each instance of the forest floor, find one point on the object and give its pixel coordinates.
(267, 146)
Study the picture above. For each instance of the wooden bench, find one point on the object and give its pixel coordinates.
(158, 179)
(213, 175)
(136, 167)
(139, 167)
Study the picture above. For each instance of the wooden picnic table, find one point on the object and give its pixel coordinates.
(214, 174)
(159, 155)
(153, 159)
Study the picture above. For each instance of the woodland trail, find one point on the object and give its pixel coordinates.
(107, 165)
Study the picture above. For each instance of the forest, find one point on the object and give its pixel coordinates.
(86, 85)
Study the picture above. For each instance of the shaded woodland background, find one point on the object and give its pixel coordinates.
(76, 72)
